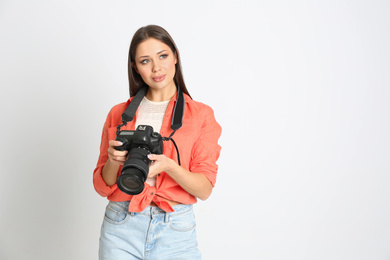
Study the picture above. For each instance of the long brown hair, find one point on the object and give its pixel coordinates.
(158, 33)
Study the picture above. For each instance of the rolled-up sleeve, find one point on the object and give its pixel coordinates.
(206, 149)
(100, 186)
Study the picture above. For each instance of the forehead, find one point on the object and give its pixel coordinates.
(151, 47)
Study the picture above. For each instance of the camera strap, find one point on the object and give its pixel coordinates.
(130, 111)
(177, 119)
(178, 111)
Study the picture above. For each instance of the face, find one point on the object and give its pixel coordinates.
(155, 63)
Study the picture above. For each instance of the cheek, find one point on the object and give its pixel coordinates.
(143, 73)
(171, 66)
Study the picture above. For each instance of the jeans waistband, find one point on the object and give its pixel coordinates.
(154, 211)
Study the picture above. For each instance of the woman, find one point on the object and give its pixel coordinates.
(157, 223)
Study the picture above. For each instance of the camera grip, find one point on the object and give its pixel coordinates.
(124, 145)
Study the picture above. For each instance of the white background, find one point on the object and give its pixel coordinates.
(301, 89)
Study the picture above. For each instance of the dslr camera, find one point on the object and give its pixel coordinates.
(139, 144)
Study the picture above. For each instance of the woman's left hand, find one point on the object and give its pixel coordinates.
(196, 184)
(159, 163)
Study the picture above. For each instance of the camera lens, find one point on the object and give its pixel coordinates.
(131, 181)
(134, 172)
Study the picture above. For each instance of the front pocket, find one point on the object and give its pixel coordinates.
(183, 222)
(116, 213)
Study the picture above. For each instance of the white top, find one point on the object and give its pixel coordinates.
(151, 113)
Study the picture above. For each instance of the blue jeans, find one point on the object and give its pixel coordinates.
(150, 234)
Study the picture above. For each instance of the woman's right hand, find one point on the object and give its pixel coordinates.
(115, 156)
(115, 160)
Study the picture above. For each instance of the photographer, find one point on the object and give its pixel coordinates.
(158, 222)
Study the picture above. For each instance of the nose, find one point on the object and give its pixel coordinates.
(156, 66)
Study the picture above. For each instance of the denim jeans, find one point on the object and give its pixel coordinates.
(150, 234)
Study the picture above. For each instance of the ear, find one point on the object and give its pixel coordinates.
(175, 57)
(134, 67)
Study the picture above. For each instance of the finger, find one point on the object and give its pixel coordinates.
(118, 156)
(116, 153)
(152, 157)
(115, 157)
(151, 174)
(114, 143)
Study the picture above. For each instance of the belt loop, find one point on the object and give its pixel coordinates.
(132, 214)
(167, 214)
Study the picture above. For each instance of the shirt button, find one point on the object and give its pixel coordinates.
(151, 193)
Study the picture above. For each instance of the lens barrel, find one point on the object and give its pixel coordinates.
(134, 172)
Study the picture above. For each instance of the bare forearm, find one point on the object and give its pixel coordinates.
(115, 160)
(194, 183)
(110, 172)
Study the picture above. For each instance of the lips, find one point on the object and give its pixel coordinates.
(159, 78)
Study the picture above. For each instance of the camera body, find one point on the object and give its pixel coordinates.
(139, 144)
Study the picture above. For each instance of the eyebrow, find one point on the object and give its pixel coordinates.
(142, 57)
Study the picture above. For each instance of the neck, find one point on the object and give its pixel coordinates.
(158, 95)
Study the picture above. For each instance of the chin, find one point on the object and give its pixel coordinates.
(160, 85)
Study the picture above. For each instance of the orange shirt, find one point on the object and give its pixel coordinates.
(197, 141)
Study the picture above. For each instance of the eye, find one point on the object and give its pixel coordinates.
(144, 61)
(164, 56)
